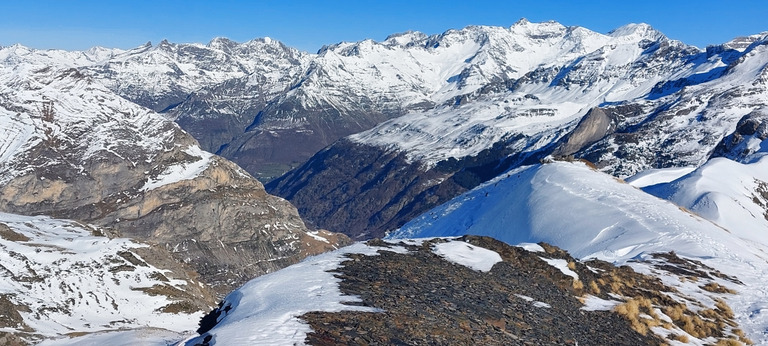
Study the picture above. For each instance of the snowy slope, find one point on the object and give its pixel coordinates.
(591, 214)
(88, 119)
(557, 79)
(72, 278)
(732, 194)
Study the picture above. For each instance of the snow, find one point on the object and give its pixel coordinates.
(89, 119)
(598, 66)
(592, 303)
(536, 303)
(532, 247)
(71, 284)
(471, 256)
(139, 336)
(181, 171)
(562, 265)
(268, 307)
(725, 192)
(657, 176)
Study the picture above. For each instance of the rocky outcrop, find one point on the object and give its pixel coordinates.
(522, 300)
(591, 128)
(750, 131)
(75, 150)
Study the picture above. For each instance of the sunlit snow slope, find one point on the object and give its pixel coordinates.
(592, 214)
(730, 193)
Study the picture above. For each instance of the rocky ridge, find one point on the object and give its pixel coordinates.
(428, 292)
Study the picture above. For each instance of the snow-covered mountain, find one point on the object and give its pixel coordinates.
(253, 102)
(732, 194)
(71, 148)
(59, 276)
(628, 101)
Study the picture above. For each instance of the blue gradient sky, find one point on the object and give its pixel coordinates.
(307, 25)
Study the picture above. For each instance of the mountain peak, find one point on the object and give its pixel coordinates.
(521, 21)
(405, 38)
(537, 30)
(637, 30)
(222, 43)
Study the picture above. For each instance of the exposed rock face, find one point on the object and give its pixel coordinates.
(75, 150)
(750, 131)
(592, 127)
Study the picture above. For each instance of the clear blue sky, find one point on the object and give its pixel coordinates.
(307, 25)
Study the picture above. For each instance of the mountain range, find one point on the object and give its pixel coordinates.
(156, 157)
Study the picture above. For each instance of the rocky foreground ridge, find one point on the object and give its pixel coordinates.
(440, 292)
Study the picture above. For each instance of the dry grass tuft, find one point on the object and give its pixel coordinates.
(724, 309)
(572, 265)
(632, 310)
(679, 337)
(593, 287)
(714, 287)
(728, 342)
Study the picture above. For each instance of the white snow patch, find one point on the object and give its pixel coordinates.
(562, 265)
(316, 236)
(524, 297)
(658, 176)
(531, 247)
(474, 257)
(139, 336)
(181, 171)
(535, 302)
(592, 303)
